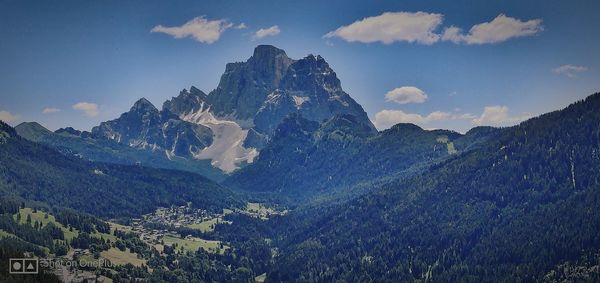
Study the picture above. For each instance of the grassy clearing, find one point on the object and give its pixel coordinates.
(209, 225)
(205, 226)
(117, 227)
(105, 236)
(261, 211)
(119, 257)
(258, 208)
(4, 234)
(449, 145)
(40, 217)
(451, 148)
(192, 244)
(160, 248)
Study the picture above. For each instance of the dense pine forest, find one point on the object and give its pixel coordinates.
(520, 208)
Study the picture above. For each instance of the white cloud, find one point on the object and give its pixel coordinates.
(8, 117)
(464, 116)
(271, 31)
(391, 27)
(453, 34)
(89, 109)
(491, 116)
(49, 110)
(241, 26)
(569, 70)
(421, 27)
(500, 29)
(498, 116)
(406, 94)
(437, 116)
(387, 118)
(199, 28)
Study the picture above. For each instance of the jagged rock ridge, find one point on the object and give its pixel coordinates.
(233, 122)
(145, 127)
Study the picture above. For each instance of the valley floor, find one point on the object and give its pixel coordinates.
(174, 231)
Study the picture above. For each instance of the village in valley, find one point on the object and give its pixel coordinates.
(161, 228)
(160, 231)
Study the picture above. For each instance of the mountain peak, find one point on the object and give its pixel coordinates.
(69, 131)
(311, 73)
(266, 51)
(245, 85)
(35, 126)
(311, 57)
(186, 101)
(32, 130)
(196, 91)
(143, 105)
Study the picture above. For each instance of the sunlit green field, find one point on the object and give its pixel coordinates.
(193, 244)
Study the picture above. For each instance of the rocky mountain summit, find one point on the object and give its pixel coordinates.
(244, 86)
(231, 124)
(259, 93)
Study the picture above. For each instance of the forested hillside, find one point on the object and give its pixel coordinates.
(75, 143)
(35, 172)
(521, 208)
(306, 158)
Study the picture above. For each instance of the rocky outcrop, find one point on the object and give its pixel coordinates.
(145, 127)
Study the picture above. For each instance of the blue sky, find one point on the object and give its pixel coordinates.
(84, 62)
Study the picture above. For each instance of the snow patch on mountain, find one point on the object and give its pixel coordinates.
(299, 100)
(226, 151)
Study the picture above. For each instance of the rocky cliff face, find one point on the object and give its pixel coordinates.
(245, 85)
(186, 102)
(259, 93)
(145, 127)
(232, 123)
(312, 89)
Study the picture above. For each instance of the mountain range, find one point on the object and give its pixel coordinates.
(230, 125)
(513, 204)
(81, 145)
